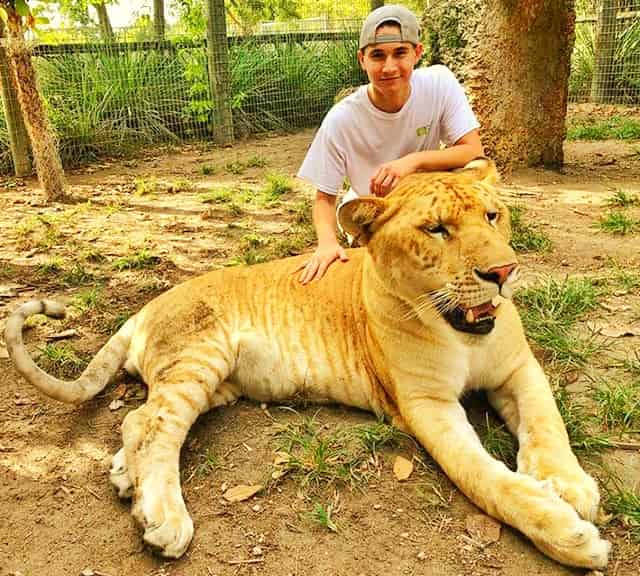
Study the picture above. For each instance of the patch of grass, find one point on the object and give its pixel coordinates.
(276, 185)
(77, 276)
(237, 167)
(622, 199)
(618, 405)
(498, 442)
(61, 360)
(179, 185)
(581, 426)
(221, 196)
(615, 127)
(208, 169)
(91, 254)
(624, 505)
(256, 161)
(145, 186)
(87, 300)
(628, 279)
(617, 222)
(51, 266)
(322, 515)
(317, 456)
(525, 238)
(549, 312)
(141, 258)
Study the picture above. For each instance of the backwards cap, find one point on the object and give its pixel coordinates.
(409, 28)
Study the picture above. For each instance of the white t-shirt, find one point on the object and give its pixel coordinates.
(355, 137)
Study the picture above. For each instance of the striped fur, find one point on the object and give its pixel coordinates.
(371, 334)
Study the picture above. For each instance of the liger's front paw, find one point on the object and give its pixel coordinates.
(576, 544)
(581, 491)
(119, 475)
(160, 509)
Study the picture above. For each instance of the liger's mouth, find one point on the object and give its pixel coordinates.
(478, 319)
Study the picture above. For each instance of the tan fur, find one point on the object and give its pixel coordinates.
(371, 334)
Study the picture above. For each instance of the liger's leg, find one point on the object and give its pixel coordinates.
(517, 499)
(544, 452)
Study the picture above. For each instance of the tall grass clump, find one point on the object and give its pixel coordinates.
(108, 101)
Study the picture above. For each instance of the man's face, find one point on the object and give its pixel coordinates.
(389, 66)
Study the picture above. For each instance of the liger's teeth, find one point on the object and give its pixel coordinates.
(495, 301)
(469, 317)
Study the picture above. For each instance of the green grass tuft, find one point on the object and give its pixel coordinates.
(618, 405)
(142, 258)
(323, 516)
(525, 238)
(623, 199)
(625, 506)
(617, 222)
(549, 312)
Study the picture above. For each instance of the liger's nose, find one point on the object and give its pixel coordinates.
(498, 274)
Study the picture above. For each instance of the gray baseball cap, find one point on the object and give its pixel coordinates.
(409, 28)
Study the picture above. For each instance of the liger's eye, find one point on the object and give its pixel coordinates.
(492, 217)
(437, 229)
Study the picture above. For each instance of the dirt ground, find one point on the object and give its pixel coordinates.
(60, 515)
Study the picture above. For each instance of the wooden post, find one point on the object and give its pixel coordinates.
(218, 59)
(18, 138)
(158, 19)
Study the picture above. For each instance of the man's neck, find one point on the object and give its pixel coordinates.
(390, 104)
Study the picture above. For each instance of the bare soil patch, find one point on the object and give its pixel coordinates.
(143, 225)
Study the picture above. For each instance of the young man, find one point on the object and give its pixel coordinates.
(387, 129)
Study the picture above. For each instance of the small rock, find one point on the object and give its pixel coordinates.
(257, 551)
(263, 406)
(421, 556)
(404, 535)
(224, 487)
(377, 506)
(87, 572)
(257, 508)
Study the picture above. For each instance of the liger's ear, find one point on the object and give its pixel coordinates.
(357, 216)
(482, 169)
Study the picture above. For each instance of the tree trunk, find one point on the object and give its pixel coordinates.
(18, 138)
(43, 143)
(158, 19)
(514, 59)
(218, 59)
(105, 23)
(603, 82)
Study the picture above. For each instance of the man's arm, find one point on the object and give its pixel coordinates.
(460, 153)
(328, 250)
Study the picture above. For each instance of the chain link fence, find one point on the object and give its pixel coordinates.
(108, 91)
(605, 66)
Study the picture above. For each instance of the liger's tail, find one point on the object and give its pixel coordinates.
(96, 376)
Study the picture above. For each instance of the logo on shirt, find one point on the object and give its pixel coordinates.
(422, 131)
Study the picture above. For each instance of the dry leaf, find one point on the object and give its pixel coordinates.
(120, 391)
(242, 492)
(402, 468)
(482, 528)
